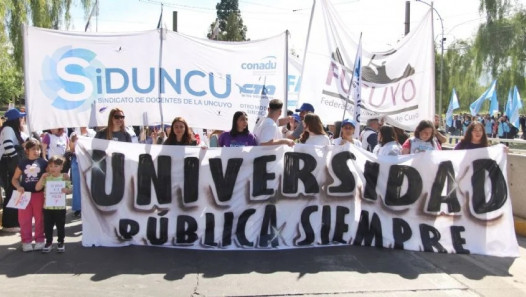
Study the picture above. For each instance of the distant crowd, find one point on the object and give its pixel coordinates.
(495, 126)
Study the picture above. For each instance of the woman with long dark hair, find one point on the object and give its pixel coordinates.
(11, 152)
(475, 137)
(423, 140)
(239, 134)
(313, 132)
(387, 142)
(180, 133)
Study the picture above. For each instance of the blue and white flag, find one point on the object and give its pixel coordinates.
(488, 94)
(515, 107)
(508, 109)
(453, 104)
(494, 103)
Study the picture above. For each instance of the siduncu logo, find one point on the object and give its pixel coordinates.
(69, 78)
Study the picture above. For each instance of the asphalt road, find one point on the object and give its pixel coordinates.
(330, 271)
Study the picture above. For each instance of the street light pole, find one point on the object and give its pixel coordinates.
(441, 55)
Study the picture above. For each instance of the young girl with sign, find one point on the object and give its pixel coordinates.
(57, 185)
(25, 178)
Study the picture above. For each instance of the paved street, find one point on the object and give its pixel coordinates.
(332, 271)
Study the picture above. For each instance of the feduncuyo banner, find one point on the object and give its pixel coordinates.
(74, 79)
(276, 197)
(397, 85)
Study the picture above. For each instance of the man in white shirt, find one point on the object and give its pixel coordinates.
(267, 131)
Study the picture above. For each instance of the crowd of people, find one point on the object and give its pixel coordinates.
(495, 126)
(28, 162)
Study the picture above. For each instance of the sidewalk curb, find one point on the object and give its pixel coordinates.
(520, 226)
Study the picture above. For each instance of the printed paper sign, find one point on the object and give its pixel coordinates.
(19, 201)
(54, 195)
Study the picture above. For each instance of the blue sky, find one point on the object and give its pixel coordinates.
(381, 21)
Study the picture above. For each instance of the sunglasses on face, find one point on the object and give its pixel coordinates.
(119, 117)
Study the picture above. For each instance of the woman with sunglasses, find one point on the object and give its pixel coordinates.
(116, 129)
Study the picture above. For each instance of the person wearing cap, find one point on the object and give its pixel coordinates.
(294, 120)
(11, 152)
(369, 136)
(304, 109)
(348, 127)
(267, 131)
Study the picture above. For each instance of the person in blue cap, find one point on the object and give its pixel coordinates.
(11, 152)
(294, 120)
(304, 109)
(347, 134)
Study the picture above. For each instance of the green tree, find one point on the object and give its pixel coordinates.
(498, 51)
(40, 13)
(500, 46)
(229, 24)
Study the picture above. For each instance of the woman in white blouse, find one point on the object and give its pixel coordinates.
(313, 132)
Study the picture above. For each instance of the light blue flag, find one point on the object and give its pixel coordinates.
(488, 94)
(494, 104)
(453, 104)
(516, 106)
(509, 104)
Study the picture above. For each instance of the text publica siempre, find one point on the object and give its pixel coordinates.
(297, 167)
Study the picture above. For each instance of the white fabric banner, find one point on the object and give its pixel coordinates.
(75, 79)
(307, 196)
(397, 85)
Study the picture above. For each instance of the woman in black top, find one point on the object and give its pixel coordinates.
(116, 129)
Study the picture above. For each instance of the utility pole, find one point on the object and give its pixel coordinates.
(442, 39)
(174, 21)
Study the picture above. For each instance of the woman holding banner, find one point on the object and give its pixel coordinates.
(116, 130)
(347, 133)
(475, 137)
(239, 134)
(180, 133)
(424, 139)
(387, 142)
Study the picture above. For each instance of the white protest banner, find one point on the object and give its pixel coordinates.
(397, 85)
(18, 200)
(54, 195)
(279, 197)
(77, 78)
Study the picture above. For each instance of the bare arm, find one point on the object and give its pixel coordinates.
(15, 181)
(280, 141)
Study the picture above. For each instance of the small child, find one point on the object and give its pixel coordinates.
(54, 215)
(27, 173)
